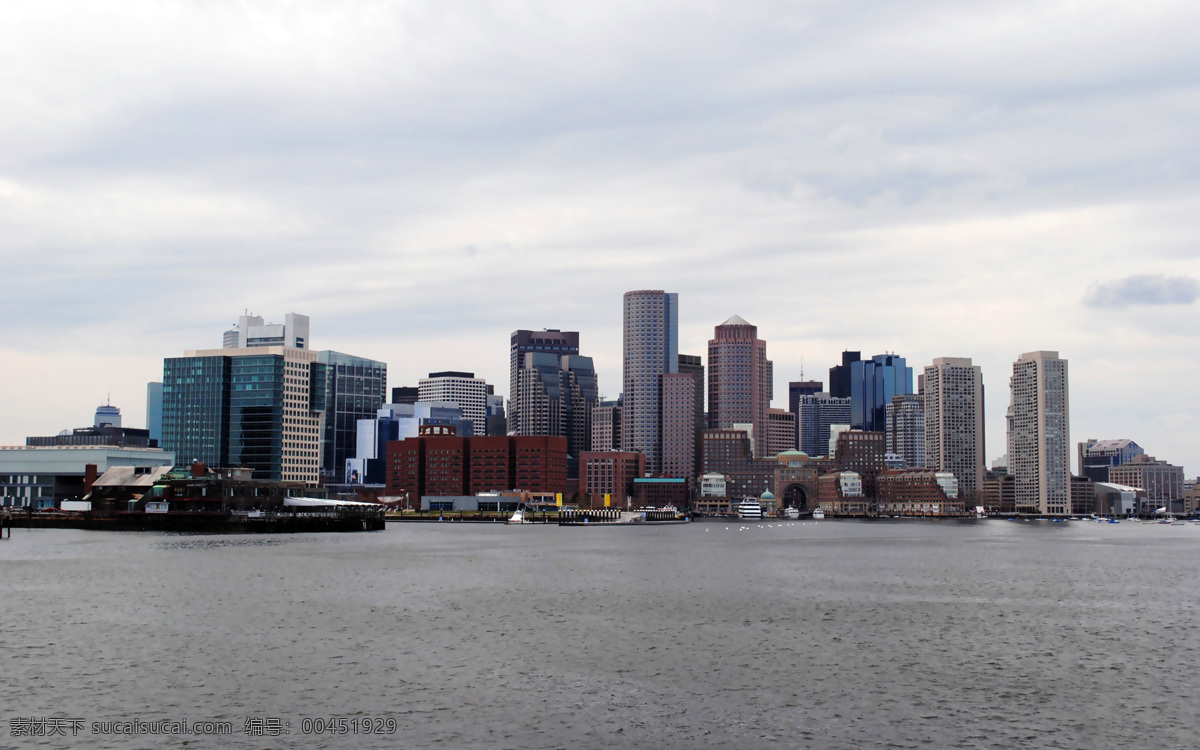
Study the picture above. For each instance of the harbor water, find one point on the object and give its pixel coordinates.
(793, 634)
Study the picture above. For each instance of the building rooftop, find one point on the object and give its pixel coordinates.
(736, 320)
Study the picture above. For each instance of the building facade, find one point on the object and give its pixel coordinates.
(692, 364)
(873, 384)
(154, 401)
(1039, 434)
(43, 476)
(609, 473)
(781, 432)
(862, 453)
(1096, 457)
(355, 389)
(815, 416)
(1163, 482)
(522, 342)
(678, 417)
(906, 429)
(462, 389)
(739, 379)
(251, 331)
(839, 375)
(954, 424)
(439, 462)
(650, 346)
(606, 426)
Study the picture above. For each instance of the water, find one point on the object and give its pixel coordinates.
(775, 635)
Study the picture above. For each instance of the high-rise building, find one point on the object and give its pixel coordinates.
(259, 407)
(906, 429)
(606, 426)
(873, 383)
(154, 402)
(839, 375)
(355, 389)
(678, 416)
(556, 394)
(815, 415)
(650, 345)
(861, 452)
(799, 388)
(462, 389)
(497, 423)
(548, 341)
(740, 379)
(1039, 459)
(781, 432)
(693, 365)
(405, 395)
(954, 426)
(107, 414)
(250, 331)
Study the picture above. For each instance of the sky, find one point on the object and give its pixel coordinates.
(929, 178)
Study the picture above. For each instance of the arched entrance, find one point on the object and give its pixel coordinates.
(795, 496)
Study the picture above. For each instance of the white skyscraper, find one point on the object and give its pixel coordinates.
(1039, 433)
(651, 349)
(954, 436)
(251, 331)
(462, 389)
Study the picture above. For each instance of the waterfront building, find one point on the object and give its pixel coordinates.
(154, 401)
(678, 419)
(918, 493)
(251, 331)
(659, 492)
(606, 426)
(1039, 433)
(739, 379)
(650, 346)
(906, 429)
(1096, 457)
(609, 473)
(815, 416)
(954, 426)
(1083, 496)
(795, 480)
(439, 462)
(713, 497)
(1163, 482)
(839, 375)
(522, 342)
(556, 395)
(841, 494)
(462, 389)
(1118, 500)
(781, 432)
(862, 453)
(873, 384)
(729, 452)
(354, 389)
(396, 422)
(260, 407)
(45, 475)
(998, 493)
(692, 364)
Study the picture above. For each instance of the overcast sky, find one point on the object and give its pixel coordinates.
(422, 178)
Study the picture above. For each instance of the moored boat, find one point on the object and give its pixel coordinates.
(749, 509)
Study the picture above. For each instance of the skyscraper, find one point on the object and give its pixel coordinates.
(693, 365)
(798, 388)
(650, 349)
(906, 429)
(154, 402)
(250, 331)
(462, 389)
(1039, 434)
(814, 416)
(355, 388)
(556, 394)
(679, 426)
(873, 383)
(839, 375)
(548, 341)
(740, 379)
(954, 438)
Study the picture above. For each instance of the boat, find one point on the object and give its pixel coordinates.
(818, 514)
(749, 509)
(518, 516)
(791, 512)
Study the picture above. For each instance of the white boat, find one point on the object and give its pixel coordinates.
(518, 516)
(749, 509)
(791, 512)
(818, 514)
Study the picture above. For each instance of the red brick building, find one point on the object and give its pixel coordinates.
(914, 493)
(439, 463)
(609, 473)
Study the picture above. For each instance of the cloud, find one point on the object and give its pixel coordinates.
(1148, 289)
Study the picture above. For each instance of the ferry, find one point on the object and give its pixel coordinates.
(749, 510)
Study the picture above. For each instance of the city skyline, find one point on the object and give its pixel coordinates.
(933, 181)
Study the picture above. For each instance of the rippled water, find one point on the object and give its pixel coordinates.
(777, 635)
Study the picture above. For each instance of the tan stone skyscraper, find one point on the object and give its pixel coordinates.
(954, 438)
(740, 380)
(1039, 434)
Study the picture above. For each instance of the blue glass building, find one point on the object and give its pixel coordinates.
(873, 383)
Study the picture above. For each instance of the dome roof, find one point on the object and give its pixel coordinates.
(793, 454)
(767, 495)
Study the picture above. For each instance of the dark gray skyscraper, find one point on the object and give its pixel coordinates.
(651, 348)
(839, 375)
(548, 341)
